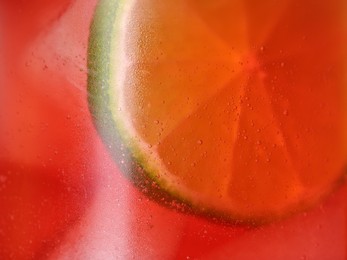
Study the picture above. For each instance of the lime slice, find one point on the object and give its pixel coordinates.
(216, 115)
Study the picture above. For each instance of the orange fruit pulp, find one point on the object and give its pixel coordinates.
(236, 108)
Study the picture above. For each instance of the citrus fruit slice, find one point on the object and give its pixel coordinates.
(233, 108)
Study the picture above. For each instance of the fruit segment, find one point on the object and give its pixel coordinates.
(173, 63)
(263, 180)
(227, 20)
(305, 80)
(262, 18)
(200, 150)
(161, 95)
(173, 31)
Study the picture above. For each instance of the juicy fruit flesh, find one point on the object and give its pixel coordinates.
(239, 105)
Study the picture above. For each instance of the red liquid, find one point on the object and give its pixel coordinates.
(61, 195)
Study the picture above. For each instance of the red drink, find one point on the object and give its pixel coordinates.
(64, 196)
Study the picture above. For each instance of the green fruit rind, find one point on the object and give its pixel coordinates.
(104, 55)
